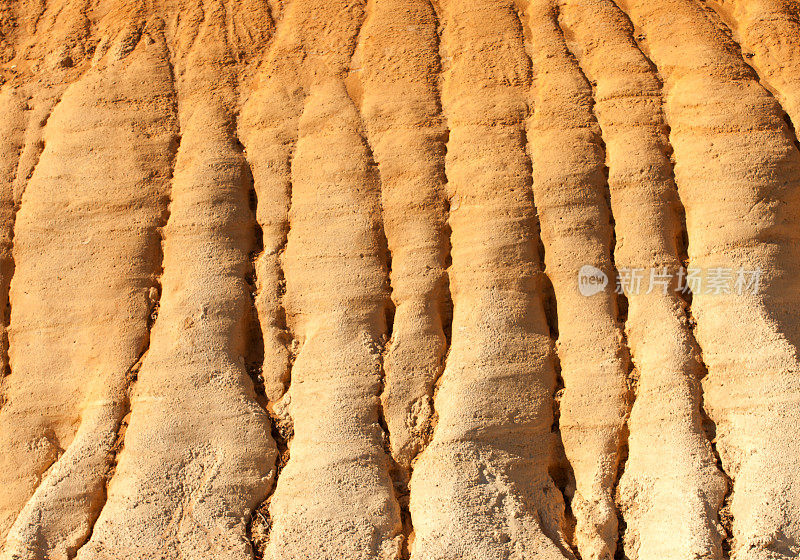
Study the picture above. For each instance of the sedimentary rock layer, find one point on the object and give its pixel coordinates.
(670, 486)
(570, 192)
(83, 320)
(738, 173)
(768, 32)
(197, 456)
(481, 489)
(335, 496)
(357, 279)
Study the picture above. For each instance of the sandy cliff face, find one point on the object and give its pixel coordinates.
(399, 279)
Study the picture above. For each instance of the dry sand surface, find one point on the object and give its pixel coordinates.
(313, 279)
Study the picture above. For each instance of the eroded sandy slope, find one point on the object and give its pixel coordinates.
(299, 279)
